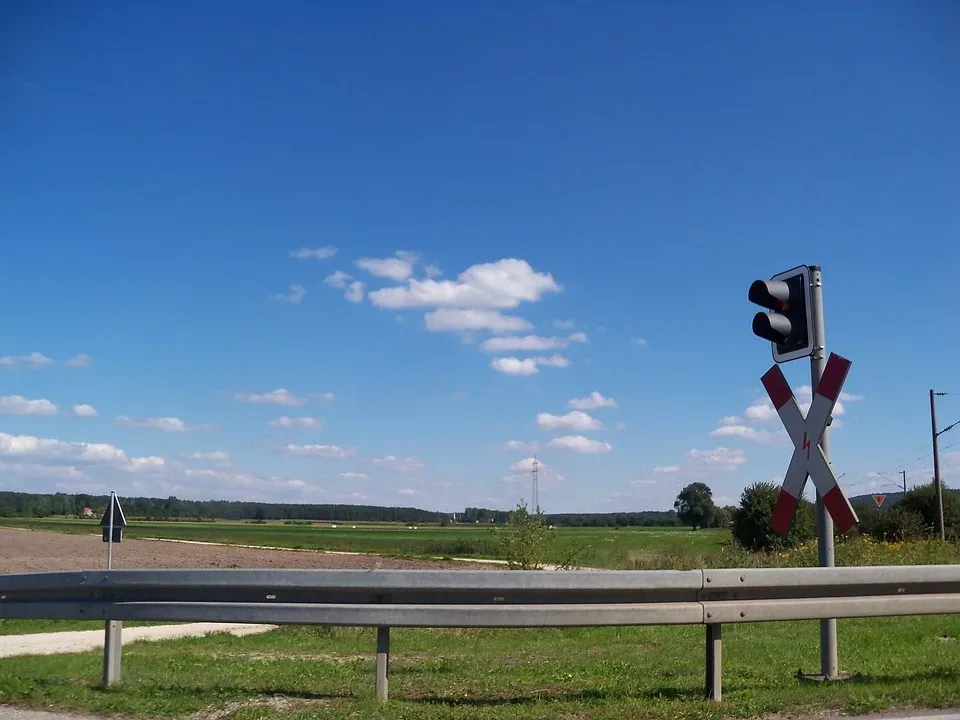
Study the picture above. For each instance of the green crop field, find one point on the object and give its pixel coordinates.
(594, 547)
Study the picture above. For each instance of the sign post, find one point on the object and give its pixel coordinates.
(794, 326)
(113, 522)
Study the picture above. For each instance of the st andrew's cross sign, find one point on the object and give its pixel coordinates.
(808, 459)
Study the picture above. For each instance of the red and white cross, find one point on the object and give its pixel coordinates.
(805, 432)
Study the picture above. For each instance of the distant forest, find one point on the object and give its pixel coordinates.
(16, 504)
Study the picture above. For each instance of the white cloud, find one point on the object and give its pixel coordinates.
(461, 320)
(282, 396)
(87, 411)
(621, 425)
(354, 292)
(347, 497)
(433, 271)
(498, 285)
(167, 424)
(320, 253)
(720, 457)
(748, 433)
(28, 446)
(527, 366)
(638, 341)
(213, 456)
(526, 465)
(530, 343)
(354, 475)
(398, 464)
(580, 444)
(396, 268)
(145, 464)
(19, 405)
(761, 412)
(337, 279)
(667, 469)
(79, 360)
(547, 477)
(573, 420)
(299, 422)
(407, 491)
(593, 401)
(41, 470)
(642, 483)
(326, 451)
(461, 395)
(34, 361)
(295, 294)
(564, 324)
(521, 446)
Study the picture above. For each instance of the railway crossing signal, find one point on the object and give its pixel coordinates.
(808, 458)
(788, 324)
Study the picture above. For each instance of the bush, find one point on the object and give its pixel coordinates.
(751, 521)
(894, 525)
(922, 500)
(524, 542)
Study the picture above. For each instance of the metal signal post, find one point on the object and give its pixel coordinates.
(794, 326)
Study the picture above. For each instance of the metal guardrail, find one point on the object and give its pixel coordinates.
(479, 599)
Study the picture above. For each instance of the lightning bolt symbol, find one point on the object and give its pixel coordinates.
(806, 445)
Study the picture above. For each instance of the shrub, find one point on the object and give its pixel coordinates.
(896, 524)
(922, 500)
(751, 521)
(523, 543)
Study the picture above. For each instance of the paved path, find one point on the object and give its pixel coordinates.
(84, 640)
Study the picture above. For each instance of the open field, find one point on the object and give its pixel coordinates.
(594, 547)
(301, 672)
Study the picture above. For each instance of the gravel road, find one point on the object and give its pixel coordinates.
(74, 641)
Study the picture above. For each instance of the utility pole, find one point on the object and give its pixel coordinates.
(904, 473)
(825, 546)
(535, 472)
(936, 462)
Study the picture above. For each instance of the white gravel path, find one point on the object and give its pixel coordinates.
(76, 641)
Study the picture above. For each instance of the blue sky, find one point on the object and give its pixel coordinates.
(186, 187)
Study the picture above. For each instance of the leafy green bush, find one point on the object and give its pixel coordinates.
(922, 500)
(751, 522)
(895, 524)
(524, 542)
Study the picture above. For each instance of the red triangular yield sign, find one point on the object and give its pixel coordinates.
(878, 499)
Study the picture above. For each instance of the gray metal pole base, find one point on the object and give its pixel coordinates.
(112, 651)
(383, 663)
(714, 662)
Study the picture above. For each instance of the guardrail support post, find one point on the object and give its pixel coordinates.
(112, 648)
(383, 662)
(714, 662)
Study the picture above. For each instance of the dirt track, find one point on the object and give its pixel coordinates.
(36, 551)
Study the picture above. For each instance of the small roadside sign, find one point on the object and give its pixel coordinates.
(113, 519)
(878, 499)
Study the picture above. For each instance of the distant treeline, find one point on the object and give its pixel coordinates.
(16, 504)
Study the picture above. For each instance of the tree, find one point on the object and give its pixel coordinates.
(751, 522)
(695, 506)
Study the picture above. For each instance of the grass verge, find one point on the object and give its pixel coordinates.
(301, 672)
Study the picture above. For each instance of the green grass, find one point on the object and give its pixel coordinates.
(594, 547)
(301, 672)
